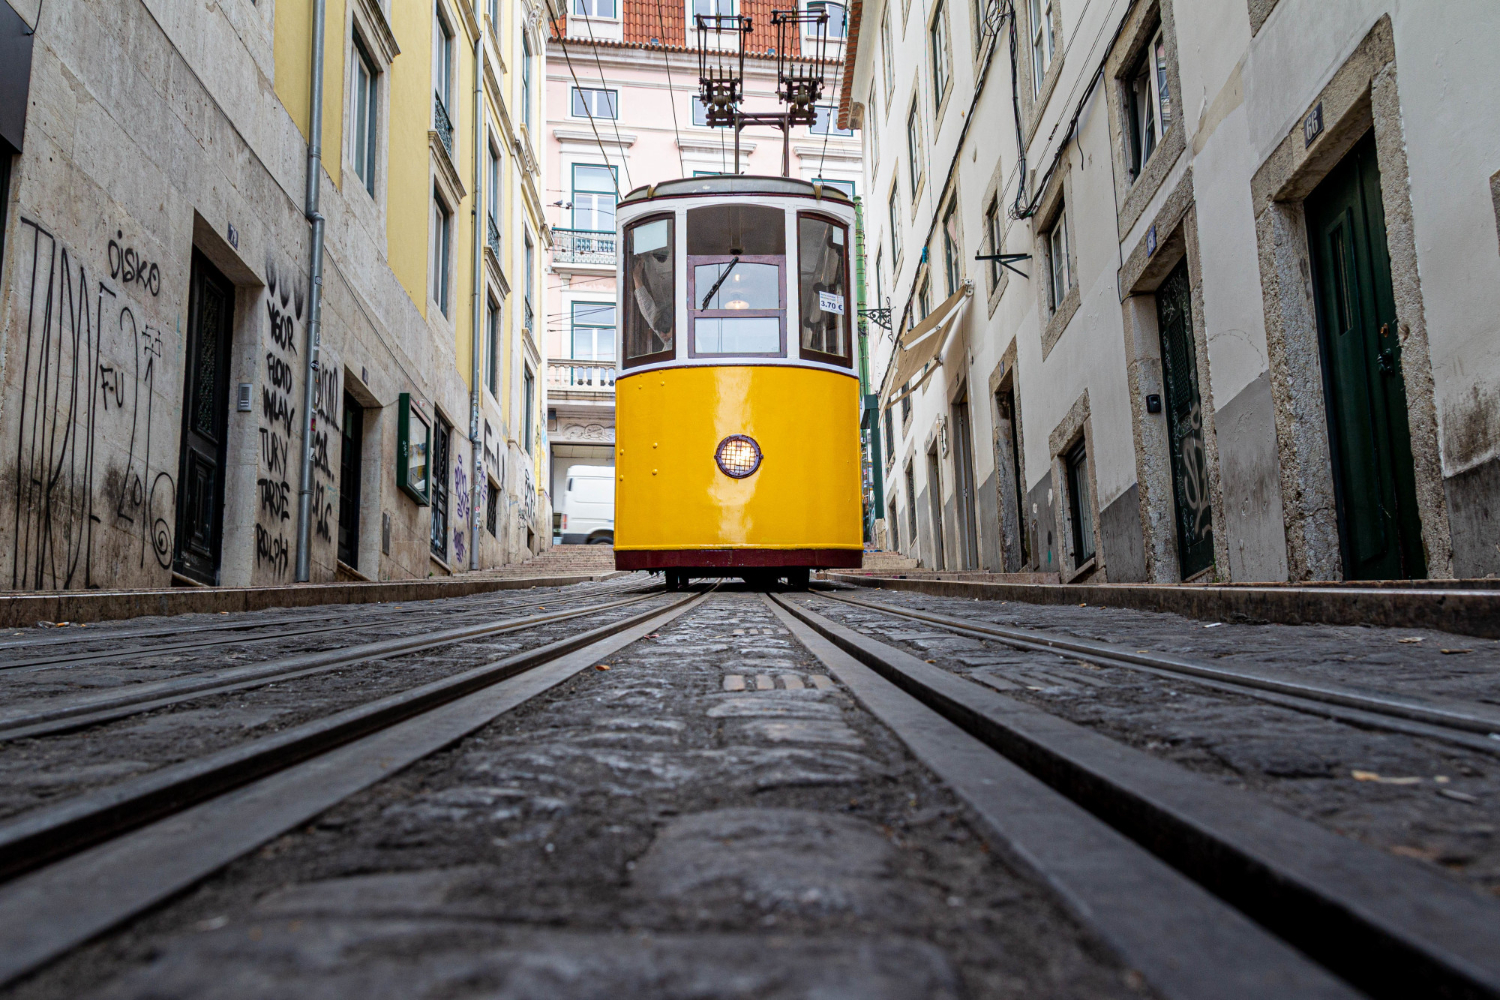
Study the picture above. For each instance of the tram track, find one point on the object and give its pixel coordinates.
(1391, 927)
(73, 870)
(1463, 723)
(1207, 890)
(64, 714)
(319, 623)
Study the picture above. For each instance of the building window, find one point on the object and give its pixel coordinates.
(879, 267)
(528, 403)
(594, 331)
(594, 198)
(845, 186)
(494, 9)
(1150, 104)
(992, 237)
(953, 267)
(895, 209)
(890, 436)
(837, 27)
(529, 314)
(594, 8)
(492, 346)
(1059, 269)
(442, 62)
(492, 510)
(711, 8)
(1080, 507)
(442, 243)
(366, 102)
(442, 433)
(825, 121)
(924, 298)
(595, 103)
(700, 114)
(906, 404)
(914, 148)
(1042, 41)
(492, 198)
(938, 42)
(526, 80)
(888, 53)
(872, 126)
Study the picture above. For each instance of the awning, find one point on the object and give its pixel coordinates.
(15, 77)
(924, 342)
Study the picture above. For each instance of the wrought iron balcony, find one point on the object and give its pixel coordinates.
(492, 239)
(586, 375)
(583, 246)
(442, 124)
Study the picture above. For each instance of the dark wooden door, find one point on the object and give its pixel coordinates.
(205, 414)
(1010, 435)
(935, 503)
(1380, 532)
(349, 473)
(963, 486)
(1184, 406)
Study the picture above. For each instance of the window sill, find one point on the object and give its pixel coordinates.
(1059, 320)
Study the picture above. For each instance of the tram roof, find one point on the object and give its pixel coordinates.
(719, 184)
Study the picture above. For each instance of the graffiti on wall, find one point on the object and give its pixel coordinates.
(90, 356)
(460, 508)
(285, 300)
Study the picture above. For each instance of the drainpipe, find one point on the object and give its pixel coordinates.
(315, 292)
(476, 390)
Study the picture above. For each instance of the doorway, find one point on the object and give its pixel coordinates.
(205, 416)
(350, 466)
(1179, 369)
(963, 483)
(935, 505)
(1013, 518)
(1380, 532)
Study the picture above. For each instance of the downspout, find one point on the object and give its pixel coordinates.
(476, 390)
(315, 292)
(876, 477)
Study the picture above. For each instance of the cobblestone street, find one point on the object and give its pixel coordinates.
(714, 803)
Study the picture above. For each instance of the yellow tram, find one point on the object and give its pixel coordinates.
(736, 398)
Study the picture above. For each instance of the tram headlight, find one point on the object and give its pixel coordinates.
(738, 456)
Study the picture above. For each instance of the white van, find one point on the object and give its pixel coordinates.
(588, 505)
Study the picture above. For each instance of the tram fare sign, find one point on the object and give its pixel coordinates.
(830, 303)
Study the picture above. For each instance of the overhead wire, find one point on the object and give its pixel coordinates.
(615, 121)
(574, 74)
(838, 76)
(666, 58)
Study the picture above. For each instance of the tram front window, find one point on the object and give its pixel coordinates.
(822, 254)
(736, 280)
(650, 292)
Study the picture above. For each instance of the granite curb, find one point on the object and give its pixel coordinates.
(1473, 612)
(19, 610)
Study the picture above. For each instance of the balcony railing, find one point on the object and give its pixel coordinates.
(492, 239)
(565, 374)
(583, 246)
(442, 124)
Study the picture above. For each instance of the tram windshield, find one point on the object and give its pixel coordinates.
(736, 267)
(822, 256)
(650, 280)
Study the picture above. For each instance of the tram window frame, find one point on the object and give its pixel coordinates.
(695, 313)
(845, 360)
(629, 308)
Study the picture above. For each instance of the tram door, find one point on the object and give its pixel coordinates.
(205, 414)
(963, 484)
(1380, 531)
(1195, 528)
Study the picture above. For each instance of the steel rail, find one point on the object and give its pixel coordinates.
(1183, 941)
(1460, 716)
(39, 836)
(1386, 924)
(148, 650)
(66, 714)
(151, 843)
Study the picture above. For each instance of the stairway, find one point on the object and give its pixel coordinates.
(886, 562)
(571, 560)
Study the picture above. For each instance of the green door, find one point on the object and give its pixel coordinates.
(1379, 531)
(1179, 369)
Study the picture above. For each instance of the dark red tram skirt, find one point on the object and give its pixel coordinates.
(634, 559)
